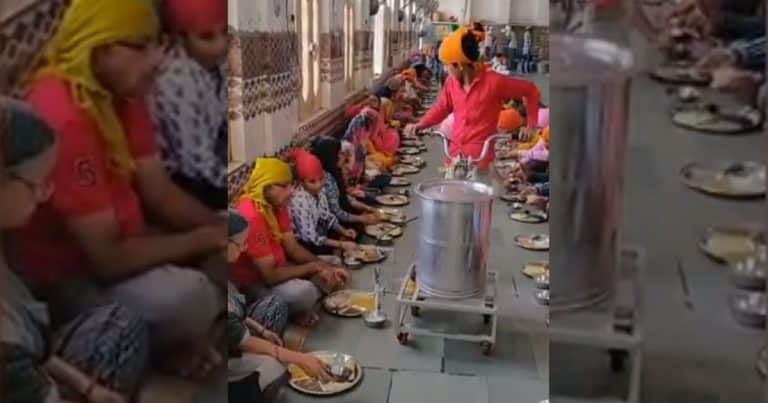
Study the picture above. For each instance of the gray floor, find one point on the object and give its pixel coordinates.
(699, 355)
(431, 370)
(703, 351)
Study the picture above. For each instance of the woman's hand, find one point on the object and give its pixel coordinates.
(341, 276)
(370, 219)
(526, 133)
(348, 246)
(100, 394)
(313, 366)
(272, 337)
(349, 233)
(716, 58)
(356, 192)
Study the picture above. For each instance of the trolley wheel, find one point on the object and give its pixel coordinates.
(402, 338)
(486, 318)
(486, 348)
(415, 311)
(618, 360)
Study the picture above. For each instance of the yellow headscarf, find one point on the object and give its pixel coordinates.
(86, 25)
(266, 172)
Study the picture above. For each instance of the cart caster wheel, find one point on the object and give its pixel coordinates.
(486, 348)
(415, 311)
(402, 338)
(618, 360)
(486, 318)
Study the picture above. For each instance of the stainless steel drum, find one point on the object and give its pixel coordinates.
(586, 167)
(453, 243)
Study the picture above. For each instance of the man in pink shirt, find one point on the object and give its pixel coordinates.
(475, 95)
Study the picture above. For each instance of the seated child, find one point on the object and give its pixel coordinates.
(310, 211)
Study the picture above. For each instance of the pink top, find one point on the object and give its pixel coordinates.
(539, 152)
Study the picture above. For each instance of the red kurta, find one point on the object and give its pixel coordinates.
(476, 112)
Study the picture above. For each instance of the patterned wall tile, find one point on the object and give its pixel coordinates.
(266, 68)
(268, 53)
(22, 38)
(331, 70)
(236, 180)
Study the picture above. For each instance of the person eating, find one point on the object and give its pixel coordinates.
(274, 260)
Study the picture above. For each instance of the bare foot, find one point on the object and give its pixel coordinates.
(197, 365)
(307, 319)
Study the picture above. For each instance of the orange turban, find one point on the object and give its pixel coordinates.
(196, 15)
(451, 51)
(509, 119)
(477, 29)
(307, 166)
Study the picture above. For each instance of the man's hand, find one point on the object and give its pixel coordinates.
(410, 130)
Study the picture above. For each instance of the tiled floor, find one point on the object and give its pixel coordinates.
(430, 370)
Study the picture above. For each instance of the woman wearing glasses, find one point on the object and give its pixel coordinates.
(92, 240)
(101, 355)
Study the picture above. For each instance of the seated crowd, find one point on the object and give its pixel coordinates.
(113, 194)
(725, 41)
(113, 224)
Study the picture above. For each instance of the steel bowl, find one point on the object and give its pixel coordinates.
(542, 296)
(749, 308)
(375, 319)
(749, 273)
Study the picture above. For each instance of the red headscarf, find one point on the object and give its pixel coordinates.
(195, 15)
(307, 166)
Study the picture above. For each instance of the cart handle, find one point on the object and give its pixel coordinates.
(483, 152)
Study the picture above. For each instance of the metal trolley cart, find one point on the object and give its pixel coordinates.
(409, 305)
(615, 326)
(451, 274)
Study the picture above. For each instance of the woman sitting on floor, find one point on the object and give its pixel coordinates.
(389, 89)
(310, 211)
(383, 140)
(368, 172)
(347, 210)
(257, 358)
(189, 99)
(264, 266)
(536, 155)
(99, 356)
(93, 241)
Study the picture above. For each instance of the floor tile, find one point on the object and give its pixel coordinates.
(416, 387)
(512, 355)
(513, 390)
